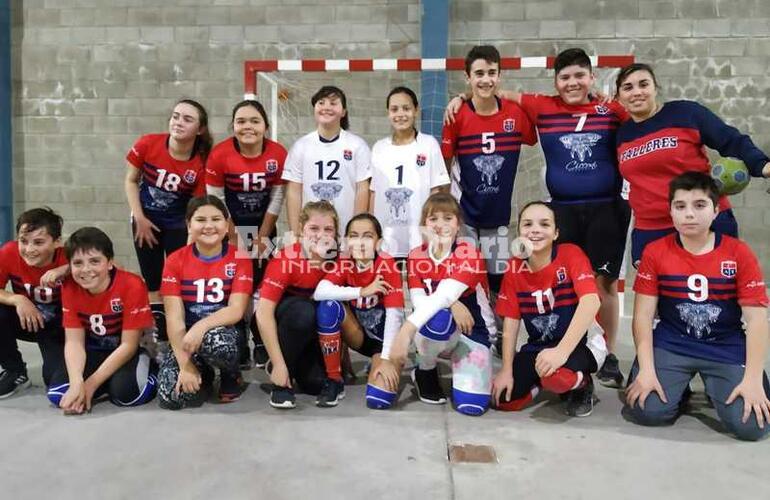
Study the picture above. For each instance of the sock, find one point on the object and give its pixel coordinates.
(331, 349)
(563, 380)
(159, 314)
(519, 404)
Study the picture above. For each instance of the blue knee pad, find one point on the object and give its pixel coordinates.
(469, 403)
(440, 327)
(329, 315)
(378, 398)
(56, 393)
(146, 394)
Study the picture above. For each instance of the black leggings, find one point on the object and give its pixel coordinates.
(50, 340)
(298, 338)
(525, 376)
(151, 260)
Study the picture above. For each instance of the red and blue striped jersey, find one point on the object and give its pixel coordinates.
(166, 184)
(466, 265)
(546, 299)
(25, 280)
(651, 153)
(487, 150)
(124, 305)
(205, 283)
(579, 147)
(290, 272)
(700, 296)
(247, 181)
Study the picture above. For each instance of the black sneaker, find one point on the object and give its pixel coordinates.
(609, 375)
(231, 387)
(160, 325)
(580, 402)
(282, 398)
(331, 393)
(11, 383)
(260, 356)
(428, 386)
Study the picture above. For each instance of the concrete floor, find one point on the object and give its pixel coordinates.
(249, 450)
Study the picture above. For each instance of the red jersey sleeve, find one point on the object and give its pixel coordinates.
(275, 281)
(619, 110)
(526, 126)
(530, 104)
(137, 152)
(281, 154)
(413, 266)
(6, 252)
(751, 287)
(136, 305)
(646, 281)
(215, 168)
(395, 297)
(449, 135)
(69, 302)
(171, 280)
(580, 270)
(472, 268)
(507, 302)
(339, 276)
(243, 281)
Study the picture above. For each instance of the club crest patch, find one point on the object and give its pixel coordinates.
(271, 166)
(230, 270)
(116, 305)
(421, 159)
(561, 275)
(602, 109)
(729, 268)
(347, 154)
(509, 124)
(190, 176)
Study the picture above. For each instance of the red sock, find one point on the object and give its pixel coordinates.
(518, 404)
(562, 380)
(330, 347)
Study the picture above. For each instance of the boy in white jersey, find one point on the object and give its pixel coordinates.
(329, 163)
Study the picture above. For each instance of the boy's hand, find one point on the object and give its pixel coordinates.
(279, 375)
(754, 398)
(389, 374)
(644, 383)
(193, 339)
(549, 360)
(379, 285)
(29, 317)
(189, 380)
(453, 108)
(73, 401)
(502, 385)
(50, 278)
(463, 317)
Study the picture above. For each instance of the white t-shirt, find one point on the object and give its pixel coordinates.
(329, 170)
(402, 177)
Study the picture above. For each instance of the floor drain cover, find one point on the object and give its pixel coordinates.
(471, 453)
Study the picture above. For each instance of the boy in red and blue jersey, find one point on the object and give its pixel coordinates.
(701, 284)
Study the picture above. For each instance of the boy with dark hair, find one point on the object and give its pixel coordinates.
(577, 135)
(105, 311)
(35, 264)
(702, 285)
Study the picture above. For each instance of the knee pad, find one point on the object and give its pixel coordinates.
(469, 403)
(55, 394)
(440, 327)
(220, 347)
(378, 398)
(329, 315)
(146, 394)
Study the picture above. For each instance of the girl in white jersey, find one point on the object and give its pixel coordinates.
(329, 163)
(407, 167)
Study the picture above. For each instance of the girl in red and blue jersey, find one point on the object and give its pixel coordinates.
(554, 292)
(362, 301)
(164, 171)
(664, 140)
(286, 312)
(205, 291)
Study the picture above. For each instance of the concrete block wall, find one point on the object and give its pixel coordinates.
(90, 76)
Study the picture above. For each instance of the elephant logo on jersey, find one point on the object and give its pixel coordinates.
(398, 199)
(421, 159)
(161, 199)
(729, 268)
(116, 305)
(199, 311)
(580, 149)
(509, 124)
(326, 191)
(546, 325)
(488, 166)
(190, 176)
(271, 166)
(249, 201)
(347, 154)
(698, 317)
(370, 319)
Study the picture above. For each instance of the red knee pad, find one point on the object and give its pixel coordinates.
(516, 404)
(561, 381)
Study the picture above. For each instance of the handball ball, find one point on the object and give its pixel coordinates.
(731, 175)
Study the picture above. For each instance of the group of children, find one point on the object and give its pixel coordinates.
(204, 223)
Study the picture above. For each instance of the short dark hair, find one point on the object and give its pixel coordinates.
(546, 204)
(365, 216)
(690, 181)
(487, 52)
(201, 201)
(572, 57)
(89, 238)
(332, 91)
(633, 68)
(254, 104)
(402, 90)
(35, 218)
